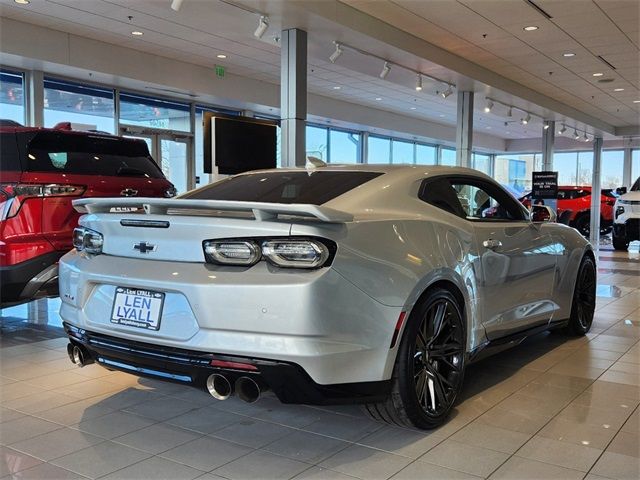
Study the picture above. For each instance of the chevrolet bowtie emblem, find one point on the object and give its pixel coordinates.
(144, 247)
(129, 192)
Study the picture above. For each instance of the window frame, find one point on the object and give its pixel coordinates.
(503, 197)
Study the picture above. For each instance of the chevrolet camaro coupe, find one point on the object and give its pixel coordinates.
(331, 284)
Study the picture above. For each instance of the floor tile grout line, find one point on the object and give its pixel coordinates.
(612, 439)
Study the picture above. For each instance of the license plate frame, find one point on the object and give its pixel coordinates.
(137, 308)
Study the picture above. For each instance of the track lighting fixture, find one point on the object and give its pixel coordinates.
(562, 130)
(586, 137)
(526, 119)
(386, 68)
(510, 112)
(489, 106)
(263, 25)
(576, 135)
(335, 55)
(176, 4)
(419, 83)
(447, 92)
(546, 126)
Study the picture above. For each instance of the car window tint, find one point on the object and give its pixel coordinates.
(284, 187)
(9, 156)
(89, 155)
(442, 195)
(483, 201)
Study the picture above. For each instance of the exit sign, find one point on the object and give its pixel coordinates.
(220, 71)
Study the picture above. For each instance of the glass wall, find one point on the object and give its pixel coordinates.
(379, 150)
(448, 156)
(150, 112)
(635, 165)
(85, 106)
(514, 170)
(317, 142)
(426, 154)
(12, 97)
(612, 168)
(401, 152)
(482, 162)
(344, 146)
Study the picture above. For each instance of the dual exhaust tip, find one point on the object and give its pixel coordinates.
(218, 385)
(246, 388)
(78, 355)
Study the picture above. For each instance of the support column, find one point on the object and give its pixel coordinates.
(34, 82)
(548, 142)
(594, 237)
(293, 96)
(626, 172)
(464, 129)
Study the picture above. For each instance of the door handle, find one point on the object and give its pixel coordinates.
(492, 244)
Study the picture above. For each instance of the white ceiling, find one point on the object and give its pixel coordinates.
(204, 28)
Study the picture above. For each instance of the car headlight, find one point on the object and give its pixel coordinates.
(290, 252)
(619, 211)
(87, 240)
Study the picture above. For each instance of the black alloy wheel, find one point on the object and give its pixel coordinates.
(438, 358)
(430, 363)
(584, 298)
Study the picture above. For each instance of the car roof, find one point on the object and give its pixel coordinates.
(22, 129)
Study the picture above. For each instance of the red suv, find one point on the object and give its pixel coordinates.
(574, 207)
(42, 171)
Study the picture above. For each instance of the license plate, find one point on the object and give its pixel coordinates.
(137, 308)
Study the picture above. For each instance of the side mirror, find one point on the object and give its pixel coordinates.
(621, 190)
(543, 213)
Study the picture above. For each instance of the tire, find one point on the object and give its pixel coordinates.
(425, 399)
(583, 225)
(619, 242)
(584, 298)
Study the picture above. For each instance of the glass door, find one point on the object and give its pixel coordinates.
(172, 151)
(173, 160)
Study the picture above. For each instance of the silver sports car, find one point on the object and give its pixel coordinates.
(368, 284)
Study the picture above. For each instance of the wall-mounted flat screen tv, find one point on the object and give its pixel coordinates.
(238, 144)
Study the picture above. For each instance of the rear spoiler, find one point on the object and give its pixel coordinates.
(261, 210)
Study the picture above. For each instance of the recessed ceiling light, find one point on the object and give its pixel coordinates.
(636, 101)
(137, 33)
(568, 54)
(22, 2)
(618, 89)
(378, 99)
(221, 55)
(337, 87)
(530, 28)
(599, 74)
(442, 115)
(413, 108)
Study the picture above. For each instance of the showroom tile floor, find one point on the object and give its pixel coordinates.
(555, 407)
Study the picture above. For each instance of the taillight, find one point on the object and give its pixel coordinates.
(611, 203)
(289, 252)
(87, 240)
(170, 192)
(13, 195)
(295, 253)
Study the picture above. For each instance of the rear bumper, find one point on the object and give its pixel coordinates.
(288, 381)
(28, 280)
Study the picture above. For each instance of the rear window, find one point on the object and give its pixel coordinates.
(284, 187)
(572, 194)
(9, 156)
(89, 155)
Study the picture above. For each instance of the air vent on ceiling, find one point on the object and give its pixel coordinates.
(539, 9)
(601, 58)
(605, 80)
(174, 92)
